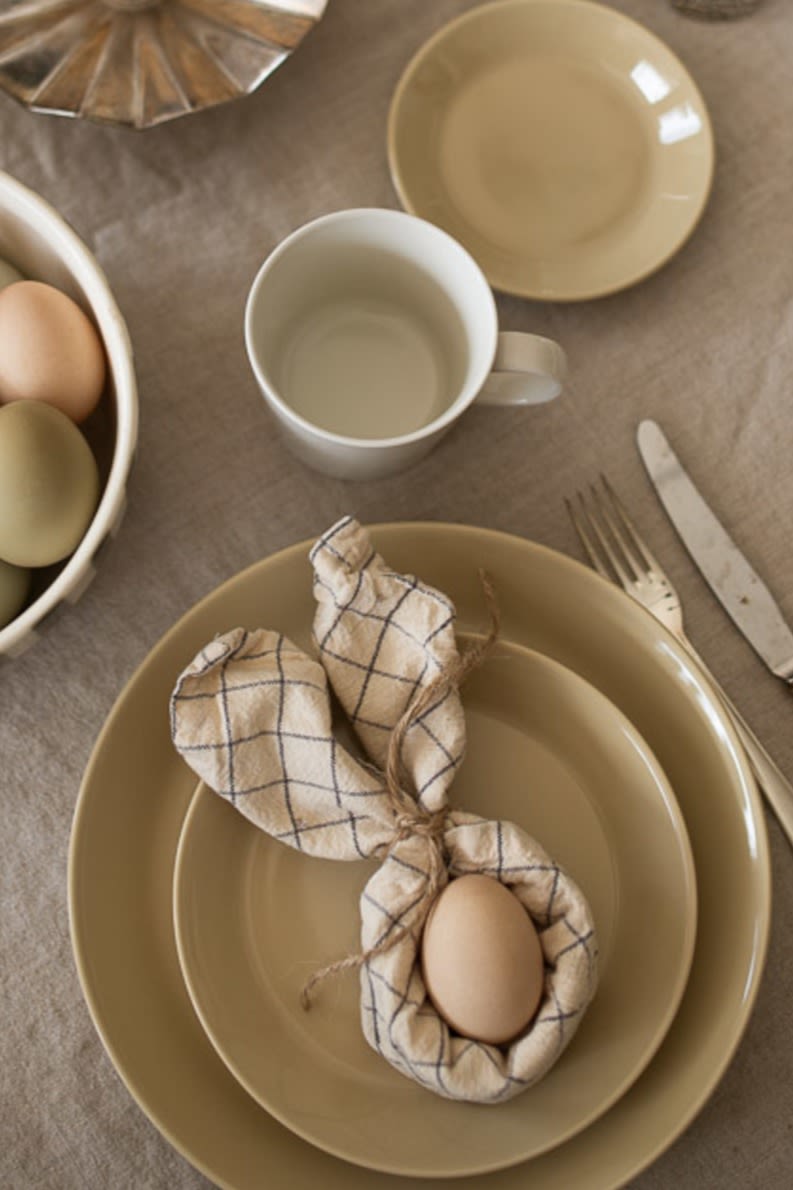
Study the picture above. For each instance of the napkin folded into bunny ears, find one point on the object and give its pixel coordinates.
(251, 715)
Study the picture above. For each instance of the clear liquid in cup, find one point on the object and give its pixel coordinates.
(379, 351)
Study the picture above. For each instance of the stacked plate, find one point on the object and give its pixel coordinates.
(589, 727)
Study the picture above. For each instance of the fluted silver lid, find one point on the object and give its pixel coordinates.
(140, 62)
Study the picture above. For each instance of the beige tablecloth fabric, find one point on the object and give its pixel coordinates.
(180, 217)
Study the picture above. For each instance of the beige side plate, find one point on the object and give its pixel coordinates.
(561, 142)
(136, 793)
(254, 918)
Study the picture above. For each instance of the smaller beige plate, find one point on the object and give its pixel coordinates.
(255, 918)
(561, 142)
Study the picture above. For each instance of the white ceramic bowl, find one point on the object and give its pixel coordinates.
(37, 241)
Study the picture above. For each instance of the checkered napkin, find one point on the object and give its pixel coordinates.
(252, 716)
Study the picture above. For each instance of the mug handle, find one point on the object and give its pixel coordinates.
(527, 370)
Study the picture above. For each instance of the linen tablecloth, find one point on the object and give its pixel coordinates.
(180, 217)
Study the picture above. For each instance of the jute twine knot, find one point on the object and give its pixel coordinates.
(411, 820)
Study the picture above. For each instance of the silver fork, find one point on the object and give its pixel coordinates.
(615, 549)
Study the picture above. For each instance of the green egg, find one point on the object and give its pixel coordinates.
(8, 274)
(14, 587)
(49, 484)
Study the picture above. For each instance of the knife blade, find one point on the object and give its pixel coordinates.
(739, 589)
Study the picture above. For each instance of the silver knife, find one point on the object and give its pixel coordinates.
(741, 592)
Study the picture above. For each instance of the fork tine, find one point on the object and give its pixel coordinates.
(650, 561)
(598, 520)
(622, 558)
(586, 540)
(595, 541)
(611, 544)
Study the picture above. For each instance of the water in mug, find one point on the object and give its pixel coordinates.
(379, 352)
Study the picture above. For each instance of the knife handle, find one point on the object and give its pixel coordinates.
(772, 781)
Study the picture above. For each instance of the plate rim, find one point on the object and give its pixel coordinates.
(540, 292)
(611, 1179)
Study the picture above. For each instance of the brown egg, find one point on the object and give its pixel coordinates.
(49, 350)
(482, 960)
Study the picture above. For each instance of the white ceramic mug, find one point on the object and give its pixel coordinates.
(371, 331)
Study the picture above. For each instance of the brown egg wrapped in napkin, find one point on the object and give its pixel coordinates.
(251, 715)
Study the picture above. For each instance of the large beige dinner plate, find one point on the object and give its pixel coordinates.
(254, 918)
(561, 142)
(136, 792)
